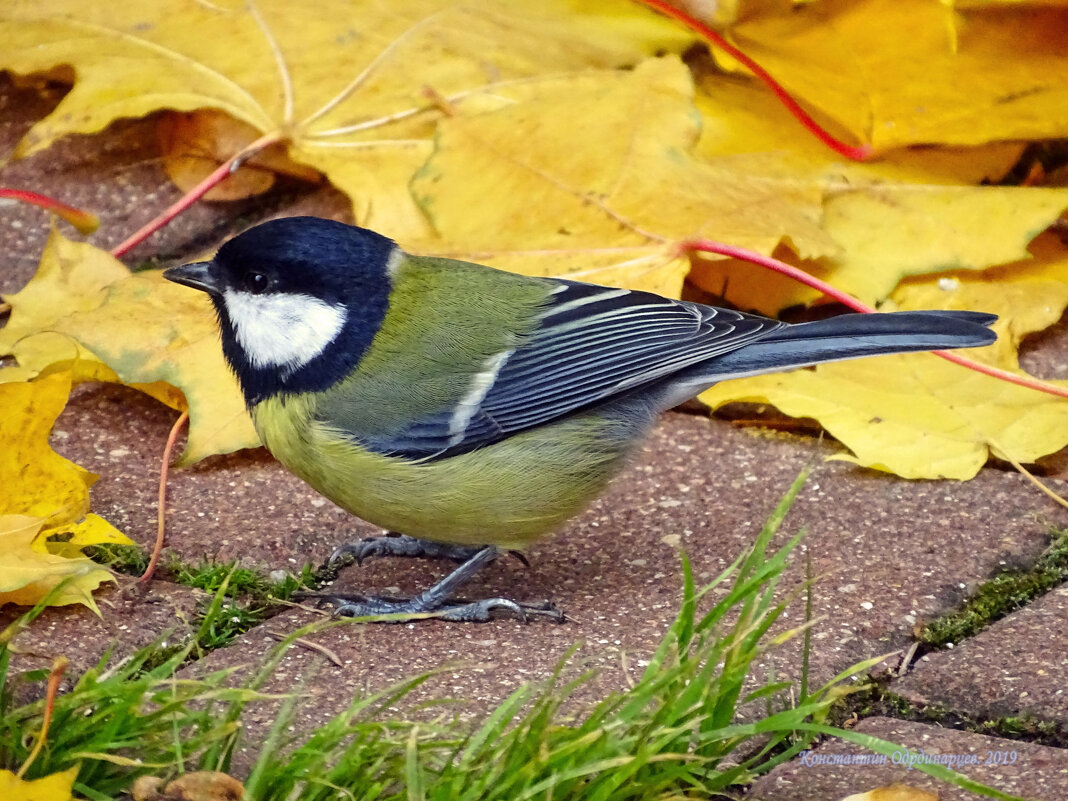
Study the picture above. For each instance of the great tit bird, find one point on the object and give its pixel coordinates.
(470, 409)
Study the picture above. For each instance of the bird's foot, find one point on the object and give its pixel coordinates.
(402, 545)
(438, 601)
(457, 610)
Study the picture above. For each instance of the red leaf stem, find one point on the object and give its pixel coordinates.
(854, 152)
(193, 195)
(84, 221)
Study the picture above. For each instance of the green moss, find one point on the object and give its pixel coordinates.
(242, 597)
(877, 700)
(250, 596)
(1025, 728)
(1001, 595)
(130, 560)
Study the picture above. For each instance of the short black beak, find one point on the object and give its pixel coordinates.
(200, 275)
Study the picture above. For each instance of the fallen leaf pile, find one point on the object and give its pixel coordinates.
(587, 139)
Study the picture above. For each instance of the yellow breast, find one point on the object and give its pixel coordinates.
(507, 494)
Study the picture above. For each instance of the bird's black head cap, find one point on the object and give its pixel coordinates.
(341, 266)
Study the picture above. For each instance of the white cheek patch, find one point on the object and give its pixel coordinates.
(282, 329)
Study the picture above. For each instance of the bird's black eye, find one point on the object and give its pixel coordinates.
(256, 283)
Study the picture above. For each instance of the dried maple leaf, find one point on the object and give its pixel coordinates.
(919, 416)
(342, 83)
(195, 143)
(904, 72)
(593, 179)
(85, 310)
(912, 212)
(44, 495)
(37, 481)
(30, 570)
(894, 792)
(200, 785)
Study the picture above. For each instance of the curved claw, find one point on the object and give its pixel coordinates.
(439, 600)
(479, 611)
(358, 550)
(520, 556)
(340, 554)
(366, 606)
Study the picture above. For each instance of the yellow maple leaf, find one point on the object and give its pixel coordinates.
(28, 572)
(721, 14)
(894, 792)
(195, 143)
(994, 4)
(342, 82)
(93, 530)
(152, 330)
(70, 277)
(85, 310)
(919, 416)
(54, 787)
(903, 72)
(45, 496)
(37, 481)
(592, 179)
(1029, 295)
(741, 115)
(909, 213)
(892, 231)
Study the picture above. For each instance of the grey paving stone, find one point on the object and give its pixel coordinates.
(1016, 667)
(1039, 773)
(128, 620)
(889, 552)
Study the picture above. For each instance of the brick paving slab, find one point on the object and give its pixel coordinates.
(1040, 773)
(1016, 667)
(475, 667)
(127, 621)
(890, 552)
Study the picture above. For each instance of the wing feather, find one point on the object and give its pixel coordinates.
(592, 343)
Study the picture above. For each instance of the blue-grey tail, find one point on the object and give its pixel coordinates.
(848, 336)
(853, 335)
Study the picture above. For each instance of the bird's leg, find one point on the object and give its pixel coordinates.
(437, 599)
(394, 544)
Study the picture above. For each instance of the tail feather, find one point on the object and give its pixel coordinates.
(848, 336)
(944, 326)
